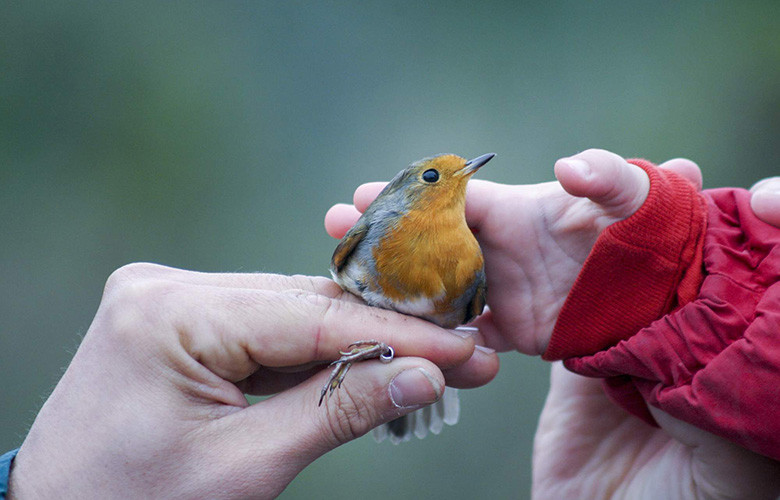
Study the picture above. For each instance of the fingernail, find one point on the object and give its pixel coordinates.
(414, 387)
(465, 332)
(579, 166)
(486, 350)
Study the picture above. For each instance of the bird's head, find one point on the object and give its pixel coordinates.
(437, 181)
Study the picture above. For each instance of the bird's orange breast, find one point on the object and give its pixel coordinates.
(430, 253)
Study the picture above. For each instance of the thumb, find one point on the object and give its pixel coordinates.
(606, 179)
(292, 426)
(374, 394)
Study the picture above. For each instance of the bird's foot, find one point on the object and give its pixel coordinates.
(357, 351)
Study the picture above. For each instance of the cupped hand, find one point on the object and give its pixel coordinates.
(153, 405)
(535, 238)
(587, 447)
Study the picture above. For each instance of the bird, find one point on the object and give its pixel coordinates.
(411, 251)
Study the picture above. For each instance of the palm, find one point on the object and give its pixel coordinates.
(586, 447)
(535, 240)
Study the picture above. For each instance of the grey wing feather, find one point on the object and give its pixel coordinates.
(348, 244)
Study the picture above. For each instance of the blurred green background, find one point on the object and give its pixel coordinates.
(214, 136)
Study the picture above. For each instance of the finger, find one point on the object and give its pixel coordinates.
(144, 272)
(373, 393)
(266, 381)
(486, 198)
(232, 331)
(366, 193)
(480, 369)
(494, 338)
(765, 200)
(770, 183)
(480, 198)
(339, 219)
(606, 179)
(687, 169)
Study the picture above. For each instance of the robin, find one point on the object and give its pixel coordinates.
(411, 251)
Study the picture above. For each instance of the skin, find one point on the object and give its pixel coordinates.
(153, 406)
(765, 201)
(535, 240)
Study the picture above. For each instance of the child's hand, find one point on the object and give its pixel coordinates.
(536, 237)
(535, 240)
(766, 200)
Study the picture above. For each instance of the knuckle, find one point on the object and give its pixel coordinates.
(135, 299)
(132, 272)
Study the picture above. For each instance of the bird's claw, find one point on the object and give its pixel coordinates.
(357, 351)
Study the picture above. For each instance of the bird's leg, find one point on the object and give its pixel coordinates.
(357, 351)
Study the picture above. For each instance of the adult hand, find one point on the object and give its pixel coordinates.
(153, 405)
(535, 238)
(587, 447)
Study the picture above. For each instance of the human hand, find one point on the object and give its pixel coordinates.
(153, 405)
(587, 447)
(535, 238)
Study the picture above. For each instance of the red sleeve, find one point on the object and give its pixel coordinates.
(713, 361)
(639, 269)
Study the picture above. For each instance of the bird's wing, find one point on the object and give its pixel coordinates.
(347, 245)
(477, 304)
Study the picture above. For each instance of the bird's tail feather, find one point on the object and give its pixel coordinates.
(431, 418)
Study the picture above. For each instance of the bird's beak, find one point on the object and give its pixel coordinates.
(472, 166)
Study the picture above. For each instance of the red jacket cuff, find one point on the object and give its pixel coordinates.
(639, 269)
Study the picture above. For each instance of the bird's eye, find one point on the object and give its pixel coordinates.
(430, 175)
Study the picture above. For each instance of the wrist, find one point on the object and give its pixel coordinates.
(639, 269)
